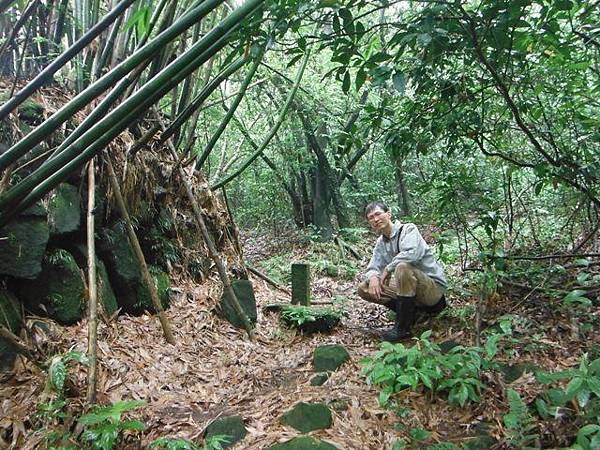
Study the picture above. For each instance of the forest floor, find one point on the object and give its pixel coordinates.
(214, 370)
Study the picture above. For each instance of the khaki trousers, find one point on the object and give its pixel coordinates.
(406, 281)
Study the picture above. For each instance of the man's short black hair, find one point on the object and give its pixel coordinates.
(374, 205)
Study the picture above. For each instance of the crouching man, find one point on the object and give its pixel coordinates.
(403, 273)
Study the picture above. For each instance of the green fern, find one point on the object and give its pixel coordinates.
(519, 424)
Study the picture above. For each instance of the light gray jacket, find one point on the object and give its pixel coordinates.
(404, 245)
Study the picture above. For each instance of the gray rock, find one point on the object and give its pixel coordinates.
(306, 417)
(329, 357)
(59, 290)
(24, 244)
(245, 295)
(64, 213)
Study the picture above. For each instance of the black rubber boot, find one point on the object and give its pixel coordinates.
(405, 318)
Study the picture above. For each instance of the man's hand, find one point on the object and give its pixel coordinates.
(385, 276)
(375, 287)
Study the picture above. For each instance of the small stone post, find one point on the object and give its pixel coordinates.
(301, 284)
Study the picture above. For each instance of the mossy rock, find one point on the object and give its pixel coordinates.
(59, 290)
(31, 112)
(125, 273)
(64, 213)
(306, 417)
(232, 427)
(301, 283)
(310, 319)
(106, 294)
(304, 443)
(245, 295)
(24, 244)
(163, 286)
(329, 357)
(10, 317)
(319, 379)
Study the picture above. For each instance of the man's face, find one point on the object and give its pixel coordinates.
(379, 219)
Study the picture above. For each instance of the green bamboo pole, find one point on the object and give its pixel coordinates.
(273, 132)
(54, 171)
(200, 98)
(107, 81)
(195, 104)
(57, 169)
(217, 134)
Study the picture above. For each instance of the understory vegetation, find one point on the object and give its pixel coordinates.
(149, 146)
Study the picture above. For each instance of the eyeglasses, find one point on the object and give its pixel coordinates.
(374, 215)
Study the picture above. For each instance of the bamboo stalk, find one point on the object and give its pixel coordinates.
(272, 132)
(137, 250)
(92, 289)
(58, 168)
(46, 75)
(210, 245)
(217, 134)
(107, 81)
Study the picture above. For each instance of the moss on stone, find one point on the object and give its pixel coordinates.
(24, 245)
(306, 417)
(64, 213)
(329, 357)
(232, 427)
(31, 112)
(163, 286)
(105, 292)
(59, 288)
(245, 294)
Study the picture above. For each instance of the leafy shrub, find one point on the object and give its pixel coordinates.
(583, 388)
(396, 367)
(103, 426)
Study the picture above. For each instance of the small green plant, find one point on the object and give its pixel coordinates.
(103, 426)
(396, 367)
(519, 424)
(310, 318)
(212, 443)
(583, 390)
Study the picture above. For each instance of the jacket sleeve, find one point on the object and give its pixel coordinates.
(377, 264)
(412, 248)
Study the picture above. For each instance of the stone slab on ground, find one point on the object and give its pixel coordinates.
(306, 417)
(304, 443)
(301, 284)
(23, 244)
(245, 294)
(231, 426)
(329, 357)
